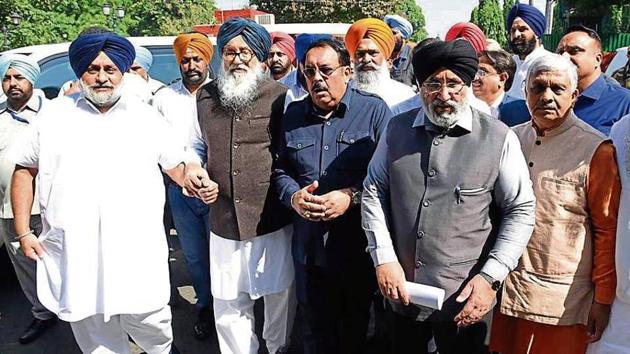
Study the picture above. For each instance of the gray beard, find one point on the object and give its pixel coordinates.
(238, 93)
(369, 81)
(101, 99)
(446, 120)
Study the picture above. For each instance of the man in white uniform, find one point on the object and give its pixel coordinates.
(102, 254)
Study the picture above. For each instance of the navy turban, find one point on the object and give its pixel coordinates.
(458, 56)
(86, 48)
(531, 15)
(303, 41)
(255, 35)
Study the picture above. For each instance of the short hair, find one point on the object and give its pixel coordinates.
(589, 31)
(554, 62)
(336, 45)
(94, 30)
(502, 62)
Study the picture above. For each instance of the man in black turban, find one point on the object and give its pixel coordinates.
(431, 225)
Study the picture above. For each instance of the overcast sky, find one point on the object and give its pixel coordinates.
(440, 15)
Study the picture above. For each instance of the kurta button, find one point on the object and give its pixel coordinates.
(326, 147)
(299, 146)
(436, 143)
(432, 173)
(351, 141)
(426, 203)
(236, 172)
(531, 164)
(235, 145)
(324, 173)
(327, 123)
(420, 234)
(538, 142)
(238, 119)
(237, 200)
(419, 264)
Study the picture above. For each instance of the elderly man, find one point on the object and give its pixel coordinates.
(525, 25)
(600, 103)
(141, 66)
(493, 80)
(19, 73)
(90, 272)
(370, 43)
(401, 69)
(250, 239)
(328, 141)
(281, 58)
(558, 298)
(470, 32)
(178, 104)
(432, 182)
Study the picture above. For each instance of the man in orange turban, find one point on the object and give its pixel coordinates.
(370, 43)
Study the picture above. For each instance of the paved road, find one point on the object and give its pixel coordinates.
(15, 317)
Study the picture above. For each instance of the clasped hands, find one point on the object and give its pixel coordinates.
(321, 207)
(198, 184)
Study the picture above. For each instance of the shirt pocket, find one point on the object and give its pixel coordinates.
(301, 154)
(564, 199)
(354, 150)
(466, 194)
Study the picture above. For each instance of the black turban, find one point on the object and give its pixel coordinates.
(458, 56)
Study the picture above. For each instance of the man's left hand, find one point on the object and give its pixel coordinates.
(336, 203)
(480, 297)
(197, 183)
(597, 321)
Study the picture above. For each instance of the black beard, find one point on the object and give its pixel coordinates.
(188, 81)
(524, 48)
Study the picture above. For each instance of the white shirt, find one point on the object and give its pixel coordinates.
(518, 84)
(102, 199)
(13, 126)
(620, 135)
(179, 107)
(296, 92)
(494, 107)
(393, 93)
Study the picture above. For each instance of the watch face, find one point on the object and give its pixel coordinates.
(496, 285)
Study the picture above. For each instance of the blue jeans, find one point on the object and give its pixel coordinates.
(190, 216)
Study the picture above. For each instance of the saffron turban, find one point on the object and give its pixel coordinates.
(197, 42)
(144, 57)
(255, 35)
(470, 32)
(285, 42)
(303, 41)
(87, 47)
(400, 24)
(22, 63)
(458, 56)
(373, 29)
(531, 15)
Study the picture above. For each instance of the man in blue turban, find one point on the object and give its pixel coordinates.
(402, 69)
(141, 66)
(18, 74)
(250, 237)
(102, 254)
(526, 26)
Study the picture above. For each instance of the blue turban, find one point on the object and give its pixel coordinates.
(400, 24)
(86, 48)
(22, 63)
(144, 57)
(303, 41)
(531, 15)
(255, 35)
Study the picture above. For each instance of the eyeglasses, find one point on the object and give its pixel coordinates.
(482, 73)
(452, 87)
(244, 55)
(325, 71)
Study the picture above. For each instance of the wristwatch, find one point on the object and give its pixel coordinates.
(494, 284)
(355, 196)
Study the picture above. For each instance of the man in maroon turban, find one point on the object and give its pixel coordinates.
(281, 59)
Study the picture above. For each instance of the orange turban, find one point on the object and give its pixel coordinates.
(374, 29)
(198, 42)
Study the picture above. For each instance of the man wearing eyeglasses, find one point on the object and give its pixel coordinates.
(435, 176)
(328, 139)
(250, 233)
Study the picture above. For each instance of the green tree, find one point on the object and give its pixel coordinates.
(488, 15)
(507, 6)
(413, 12)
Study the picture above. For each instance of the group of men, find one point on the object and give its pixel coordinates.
(326, 174)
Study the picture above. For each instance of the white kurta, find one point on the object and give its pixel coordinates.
(102, 200)
(394, 93)
(518, 84)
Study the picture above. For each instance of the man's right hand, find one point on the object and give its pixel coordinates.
(31, 247)
(308, 205)
(391, 281)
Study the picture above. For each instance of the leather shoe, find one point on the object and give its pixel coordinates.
(205, 324)
(36, 329)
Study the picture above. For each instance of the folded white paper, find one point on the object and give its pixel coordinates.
(425, 295)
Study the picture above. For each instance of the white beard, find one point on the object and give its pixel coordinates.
(446, 120)
(369, 81)
(238, 92)
(102, 99)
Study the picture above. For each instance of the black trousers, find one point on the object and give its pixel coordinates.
(336, 307)
(411, 336)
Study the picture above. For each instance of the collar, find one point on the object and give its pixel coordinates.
(183, 89)
(465, 122)
(594, 91)
(34, 104)
(499, 100)
(568, 123)
(83, 103)
(342, 108)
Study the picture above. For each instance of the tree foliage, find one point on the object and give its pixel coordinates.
(53, 21)
(488, 15)
(412, 12)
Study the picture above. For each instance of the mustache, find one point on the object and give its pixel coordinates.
(319, 87)
(363, 66)
(93, 87)
(444, 104)
(193, 72)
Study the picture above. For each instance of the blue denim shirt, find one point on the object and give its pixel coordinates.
(602, 104)
(334, 151)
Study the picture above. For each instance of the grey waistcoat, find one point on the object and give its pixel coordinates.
(441, 193)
